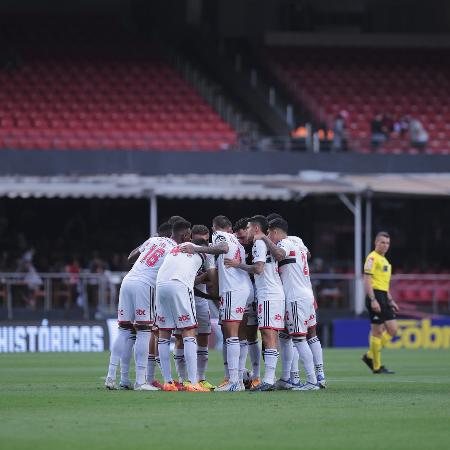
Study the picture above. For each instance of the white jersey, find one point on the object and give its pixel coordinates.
(299, 242)
(268, 283)
(230, 279)
(180, 266)
(294, 270)
(209, 263)
(153, 252)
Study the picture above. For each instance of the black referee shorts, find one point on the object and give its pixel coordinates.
(386, 313)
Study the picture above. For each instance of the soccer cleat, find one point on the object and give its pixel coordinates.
(224, 382)
(321, 381)
(157, 384)
(384, 370)
(207, 385)
(368, 361)
(189, 387)
(263, 387)
(223, 387)
(145, 387)
(307, 387)
(242, 385)
(255, 382)
(179, 385)
(283, 385)
(125, 386)
(110, 384)
(169, 387)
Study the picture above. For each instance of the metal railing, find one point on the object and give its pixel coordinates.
(92, 293)
(96, 295)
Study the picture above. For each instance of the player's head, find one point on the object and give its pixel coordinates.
(273, 216)
(278, 230)
(165, 230)
(240, 230)
(200, 232)
(174, 219)
(222, 223)
(181, 231)
(199, 241)
(255, 224)
(382, 242)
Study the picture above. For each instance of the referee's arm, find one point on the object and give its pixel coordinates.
(375, 306)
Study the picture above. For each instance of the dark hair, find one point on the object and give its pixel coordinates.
(179, 226)
(240, 224)
(273, 216)
(201, 242)
(222, 222)
(261, 221)
(200, 229)
(382, 234)
(174, 219)
(165, 229)
(279, 223)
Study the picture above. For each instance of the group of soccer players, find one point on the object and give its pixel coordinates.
(259, 277)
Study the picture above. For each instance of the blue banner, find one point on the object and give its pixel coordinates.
(412, 334)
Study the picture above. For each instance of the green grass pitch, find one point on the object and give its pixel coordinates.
(57, 401)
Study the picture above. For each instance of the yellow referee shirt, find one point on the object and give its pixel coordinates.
(380, 269)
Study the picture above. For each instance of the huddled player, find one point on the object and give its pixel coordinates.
(259, 273)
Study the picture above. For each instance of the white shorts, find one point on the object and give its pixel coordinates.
(203, 317)
(251, 310)
(136, 302)
(300, 315)
(271, 313)
(175, 306)
(232, 305)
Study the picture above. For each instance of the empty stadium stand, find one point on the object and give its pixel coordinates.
(366, 81)
(56, 101)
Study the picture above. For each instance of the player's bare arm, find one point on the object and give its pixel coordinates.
(213, 283)
(369, 291)
(200, 279)
(133, 253)
(278, 253)
(217, 249)
(256, 268)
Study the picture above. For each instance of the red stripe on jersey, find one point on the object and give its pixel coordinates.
(292, 253)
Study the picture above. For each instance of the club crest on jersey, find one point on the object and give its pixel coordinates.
(369, 263)
(278, 317)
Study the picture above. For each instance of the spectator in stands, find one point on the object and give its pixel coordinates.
(31, 279)
(379, 131)
(73, 269)
(401, 126)
(418, 134)
(339, 140)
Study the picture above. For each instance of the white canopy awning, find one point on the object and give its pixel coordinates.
(227, 187)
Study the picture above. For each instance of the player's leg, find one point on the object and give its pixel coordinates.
(203, 332)
(125, 316)
(386, 332)
(166, 323)
(314, 342)
(254, 349)
(286, 351)
(297, 326)
(295, 373)
(152, 355)
(231, 313)
(125, 362)
(372, 358)
(243, 343)
(178, 357)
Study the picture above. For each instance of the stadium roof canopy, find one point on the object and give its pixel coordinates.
(226, 187)
(240, 187)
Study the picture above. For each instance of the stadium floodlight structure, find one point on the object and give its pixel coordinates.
(352, 190)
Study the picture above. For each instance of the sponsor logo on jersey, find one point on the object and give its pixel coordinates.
(161, 319)
(184, 318)
(240, 310)
(140, 312)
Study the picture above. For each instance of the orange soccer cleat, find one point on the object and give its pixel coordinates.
(189, 387)
(169, 387)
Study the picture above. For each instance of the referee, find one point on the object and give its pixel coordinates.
(382, 308)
